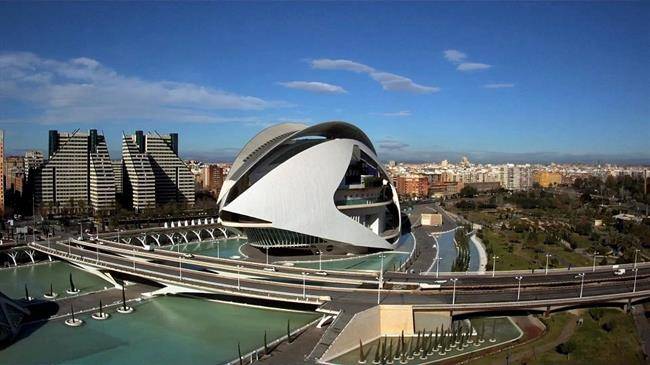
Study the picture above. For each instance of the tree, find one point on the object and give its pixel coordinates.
(468, 191)
(566, 348)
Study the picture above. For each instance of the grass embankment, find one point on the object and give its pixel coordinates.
(608, 339)
(518, 251)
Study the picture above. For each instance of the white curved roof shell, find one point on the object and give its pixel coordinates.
(298, 194)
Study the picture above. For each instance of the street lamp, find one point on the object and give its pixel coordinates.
(380, 282)
(267, 255)
(582, 283)
(594, 266)
(518, 278)
(320, 260)
(238, 281)
(304, 285)
(636, 252)
(635, 273)
(81, 231)
(546, 270)
(453, 295)
(494, 264)
(438, 265)
(180, 268)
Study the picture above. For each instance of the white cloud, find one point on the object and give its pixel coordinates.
(459, 59)
(84, 90)
(392, 82)
(472, 66)
(401, 113)
(499, 86)
(392, 144)
(388, 81)
(347, 65)
(314, 86)
(454, 55)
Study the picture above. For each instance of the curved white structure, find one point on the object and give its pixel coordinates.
(320, 186)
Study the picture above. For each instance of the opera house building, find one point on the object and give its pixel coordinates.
(317, 187)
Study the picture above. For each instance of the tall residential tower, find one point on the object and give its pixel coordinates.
(78, 173)
(154, 174)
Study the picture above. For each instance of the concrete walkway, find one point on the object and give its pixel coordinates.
(482, 253)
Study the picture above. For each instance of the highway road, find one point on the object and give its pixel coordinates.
(260, 283)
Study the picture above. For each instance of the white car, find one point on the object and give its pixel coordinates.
(619, 272)
(188, 255)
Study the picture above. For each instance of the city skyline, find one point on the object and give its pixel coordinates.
(497, 83)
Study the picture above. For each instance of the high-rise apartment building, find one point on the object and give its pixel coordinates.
(413, 185)
(515, 177)
(118, 167)
(213, 177)
(78, 173)
(14, 173)
(2, 162)
(547, 178)
(154, 173)
(33, 161)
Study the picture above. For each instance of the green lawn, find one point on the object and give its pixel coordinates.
(596, 346)
(515, 252)
(554, 325)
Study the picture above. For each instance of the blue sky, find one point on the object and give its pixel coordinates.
(496, 81)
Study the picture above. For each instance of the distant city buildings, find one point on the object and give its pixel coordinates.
(154, 174)
(212, 178)
(14, 174)
(33, 161)
(2, 160)
(77, 175)
(546, 179)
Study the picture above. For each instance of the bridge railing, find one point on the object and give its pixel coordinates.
(187, 281)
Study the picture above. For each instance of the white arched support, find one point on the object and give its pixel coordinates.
(31, 253)
(211, 232)
(104, 275)
(143, 240)
(174, 289)
(184, 235)
(225, 233)
(198, 234)
(13, 256)
(156, 237)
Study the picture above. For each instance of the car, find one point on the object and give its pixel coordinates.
(270, 268)
(619, 272)
(148, 248)
(188, 255)
(321, 273)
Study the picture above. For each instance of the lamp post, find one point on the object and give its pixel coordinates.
(546, 270)
(304, 285)
(180, 268)
(453, 295)
(81, 231)
(494, 264)
(636, 252)
(118, 235)
(438, 259)
(635, 273)
(320, 260)
(518, 278)
(267, 255)
(218, 253)
(582, 283)
(238, 280)
(594, 266)
(380, 282)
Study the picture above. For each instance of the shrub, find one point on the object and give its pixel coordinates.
(596, 313)
(566, 348)
(608, 326)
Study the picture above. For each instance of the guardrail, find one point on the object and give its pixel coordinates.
(187, 282)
